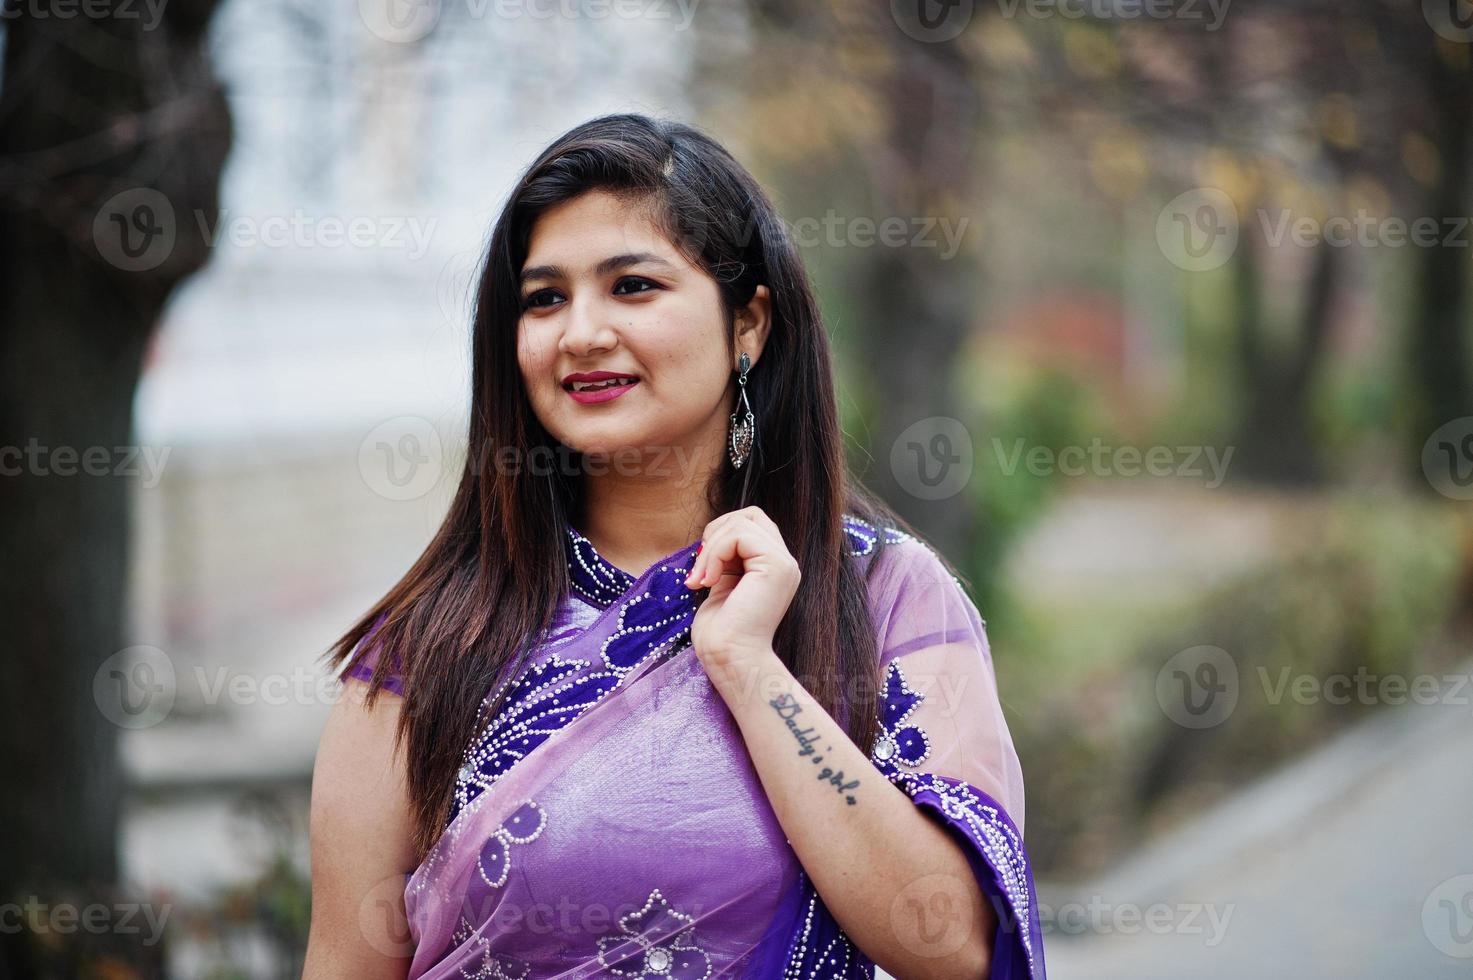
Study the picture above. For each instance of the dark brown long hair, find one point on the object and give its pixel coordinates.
(460, 620)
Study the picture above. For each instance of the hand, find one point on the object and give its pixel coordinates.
(753, 578)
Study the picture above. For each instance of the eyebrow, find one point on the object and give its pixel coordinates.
(611, 264)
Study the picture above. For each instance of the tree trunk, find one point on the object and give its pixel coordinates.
(920, 300)
(1442, 389)
(1276, 441)
(92, 107)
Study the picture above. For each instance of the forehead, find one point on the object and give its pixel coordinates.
(577, 233)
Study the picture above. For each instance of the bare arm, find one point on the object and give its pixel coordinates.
(362, 844)
(877, 861)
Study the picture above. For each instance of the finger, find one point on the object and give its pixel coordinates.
(701, 564)
(761, 517)
(737, 545)
(698, 564)
(710, 563)
(709, 534)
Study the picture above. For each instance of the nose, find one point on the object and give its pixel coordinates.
(584, 329)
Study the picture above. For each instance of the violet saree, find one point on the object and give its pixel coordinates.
(609, 821)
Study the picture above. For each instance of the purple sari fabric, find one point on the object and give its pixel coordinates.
(609, 822)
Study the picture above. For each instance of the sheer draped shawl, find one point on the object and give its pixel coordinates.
(609, 821)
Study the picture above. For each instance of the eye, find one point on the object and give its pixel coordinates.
(635, 280)
(530, 301)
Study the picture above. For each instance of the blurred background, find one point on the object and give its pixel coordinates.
(1153, 316)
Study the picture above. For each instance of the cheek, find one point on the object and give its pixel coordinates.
(532, 359)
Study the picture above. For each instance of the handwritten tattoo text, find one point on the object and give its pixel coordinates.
(787, 707)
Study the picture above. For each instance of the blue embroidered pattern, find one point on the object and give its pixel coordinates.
(987, 826)
(542, 701)
(594, 578)
(550, 695)
(899, 742)
(523, 827)
(820, 948)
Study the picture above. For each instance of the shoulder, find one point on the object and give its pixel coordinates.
(364, 658)
(909, 567)
(901, 555)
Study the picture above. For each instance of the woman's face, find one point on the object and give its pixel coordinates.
(603, 290)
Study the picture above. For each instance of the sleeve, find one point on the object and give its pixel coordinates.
(944, 740)
(365, 659)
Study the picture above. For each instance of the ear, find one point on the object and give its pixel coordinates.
(753, 323)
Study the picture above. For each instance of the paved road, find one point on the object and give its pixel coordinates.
(1350, 867)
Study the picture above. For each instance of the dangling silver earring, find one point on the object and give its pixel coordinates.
(740, 445)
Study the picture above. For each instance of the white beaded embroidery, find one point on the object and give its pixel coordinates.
(516, 829)
(658, 957)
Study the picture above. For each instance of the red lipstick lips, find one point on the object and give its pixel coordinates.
(598, 386)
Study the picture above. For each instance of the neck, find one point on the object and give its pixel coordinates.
(635, 519)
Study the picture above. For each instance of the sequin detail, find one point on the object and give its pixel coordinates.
(525, 825)
(492, 966)
(983, 821)
(543, 700)
(820, 951)
(592, 577)
(991, 831)
(899, 743)
(863, 536)
(550, 695)
(656, 941)
(820, 948)
(660, 615)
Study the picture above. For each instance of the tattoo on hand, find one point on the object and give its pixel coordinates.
(787, 707)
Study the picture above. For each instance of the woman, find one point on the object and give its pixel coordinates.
(757, 733)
